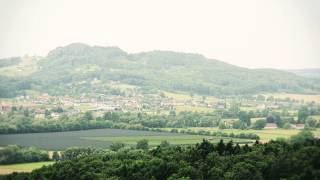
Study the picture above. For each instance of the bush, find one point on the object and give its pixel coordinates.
(174, 130)
(302, 136)
(75, 152)
(164, 144)
(143, 144)
(311, 122)
(116, 146)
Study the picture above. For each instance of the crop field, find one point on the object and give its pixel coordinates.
(264, 134)
(156, 140)
(24, 167)
(100, 138)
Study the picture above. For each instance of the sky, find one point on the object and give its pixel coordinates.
(282, 34)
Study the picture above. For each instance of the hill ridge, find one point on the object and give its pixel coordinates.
(64, 67)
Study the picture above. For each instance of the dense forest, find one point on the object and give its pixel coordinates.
(73, 69)
(297, 159)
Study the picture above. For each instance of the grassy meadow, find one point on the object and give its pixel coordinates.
(22, 167)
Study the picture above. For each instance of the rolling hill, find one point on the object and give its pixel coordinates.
(73, 69)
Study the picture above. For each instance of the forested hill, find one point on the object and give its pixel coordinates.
(310, 73)
(73, 67)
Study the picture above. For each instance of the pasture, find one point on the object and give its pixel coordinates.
(23, 167)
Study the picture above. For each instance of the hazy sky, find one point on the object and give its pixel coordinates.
(249, 33)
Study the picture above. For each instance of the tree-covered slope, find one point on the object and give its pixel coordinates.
(71, 68)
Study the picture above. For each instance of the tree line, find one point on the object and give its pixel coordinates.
(17, 154)
(297, 159)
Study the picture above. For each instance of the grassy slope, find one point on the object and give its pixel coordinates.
(27, 66)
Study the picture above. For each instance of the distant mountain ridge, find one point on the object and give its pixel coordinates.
(309, 73)
(71, 68)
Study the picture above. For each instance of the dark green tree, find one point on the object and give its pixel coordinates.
(143, 144)
(303, 114)
(116, 146)
(245, 118)
(164, 144)
(87, 116)
(259, 124)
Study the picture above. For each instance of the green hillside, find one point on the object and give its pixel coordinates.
(73, 68)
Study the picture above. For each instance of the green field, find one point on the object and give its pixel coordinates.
(100, 138)
(24, 167)
(85, 107)
(156, 140)
(265, 134)
(193, 109)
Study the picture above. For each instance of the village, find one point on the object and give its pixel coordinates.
(151, 103)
